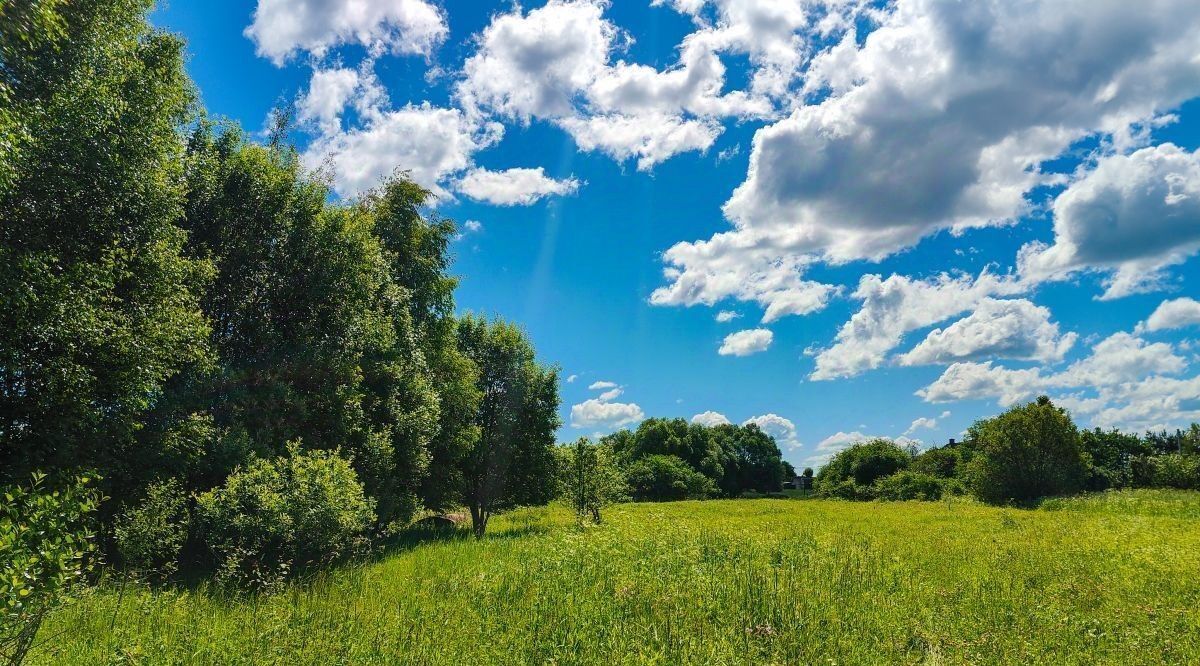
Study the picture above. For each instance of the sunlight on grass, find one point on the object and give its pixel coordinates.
(750, 581)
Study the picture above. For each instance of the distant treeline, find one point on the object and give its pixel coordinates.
(1028, 452)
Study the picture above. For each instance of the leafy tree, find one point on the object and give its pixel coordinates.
(908, 485)
(99, 300)
(1029, 451)
(511, 462)
(1108, 457)
(150, 535)
(590, 477)
(46, 544)
(863, 463)
(660, 478)
(808, 471)
(751, 460)
(314, 337)
(943, 462)
(789, 472)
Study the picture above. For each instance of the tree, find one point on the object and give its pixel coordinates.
(590, 477)
(1030, 451)
(789, 472)
(512, 460)
(1109, 453)
(99, 302)
(943, 462)
(863, 464)
(751, 460)
(662, 478)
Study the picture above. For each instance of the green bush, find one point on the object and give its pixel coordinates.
(1030, 451)
(909, 485)
(944, 462)
(846, 489)
(150, 535)
(278, 518)
(46, 548)
(863, 463)
(1171, 470)
(662, 478)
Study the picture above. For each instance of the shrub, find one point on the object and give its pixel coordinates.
(279, 517)
(590, 478)
(942, 462)
(909, 485)
(863, 463)
(150, 535)
(1030, 451)
(46, 544)
(1173, 470)
(847, 490)
(662, 478)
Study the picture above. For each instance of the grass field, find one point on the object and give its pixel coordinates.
(1107, 579)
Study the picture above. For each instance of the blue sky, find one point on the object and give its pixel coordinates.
(912, 213)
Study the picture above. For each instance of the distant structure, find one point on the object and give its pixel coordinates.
(803, 482)
(952, 442)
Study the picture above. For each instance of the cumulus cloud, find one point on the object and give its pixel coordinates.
(726, 316)
(513, 187)
(940, 119)
(1177, 313)
(603, 411)
(896, 306)
(745, 343)
(597, 413)
(778, 427)
(1123, 382)
(282, 28)
(1131, 217)
(1012, 329)
(710, 419)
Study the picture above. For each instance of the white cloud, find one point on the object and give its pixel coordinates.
(513, 187)
(601, 385)
(611, 394)
(710, 419)
(596, 413)
(781, 429)
(939, 119)
(1132, 216)
(726, 316)
(328, 94)
(896, 306)
(428, 142)
(922, 422)
(571, 379)
(1013, 329)
(281, 28)
(1177, 313)
(475, 226)
(650, 138)
(745, 343)
(1124, 382)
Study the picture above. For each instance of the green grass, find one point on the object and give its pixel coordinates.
(1146, 502)
(721, 582)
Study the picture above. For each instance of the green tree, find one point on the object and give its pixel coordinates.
(512, 460)
(591, 478)
(663, 478)
(99, 302)
(1030, 451)
(863, 464)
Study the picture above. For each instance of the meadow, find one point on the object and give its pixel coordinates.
(1105, 579)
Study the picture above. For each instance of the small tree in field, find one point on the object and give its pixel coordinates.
(1030, 451)
(511, 462)
(590, 477)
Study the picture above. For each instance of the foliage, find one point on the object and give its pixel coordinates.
(46, 549)
(1108, 457)
(1030, 451)
(1171, 470)
(908, 485)
(944, 462)
(511, 461)
(277, 518)
(590, 478)
(100, 305)
(150, 535)
(863, 463)
(719, 582)
(659, 478)
(735, 458)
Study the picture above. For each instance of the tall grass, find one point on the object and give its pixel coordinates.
(723, 582)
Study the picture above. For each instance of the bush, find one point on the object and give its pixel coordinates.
(46, 544)
(863, 463)
(150, 535)
(1028, 452)
(847, 490)
(942, 462)
(277, 518)
(662, 478)
(1172, 470)
(909, 485)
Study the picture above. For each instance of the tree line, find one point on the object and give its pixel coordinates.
(1031, 451)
